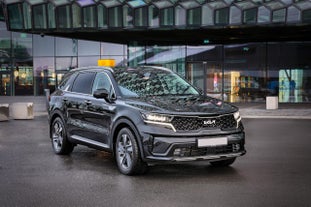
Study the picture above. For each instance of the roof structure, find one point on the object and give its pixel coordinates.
(162, 22)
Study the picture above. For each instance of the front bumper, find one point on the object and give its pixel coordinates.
(180, 149)
(198, 158)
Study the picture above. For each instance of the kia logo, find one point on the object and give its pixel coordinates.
(209, 122)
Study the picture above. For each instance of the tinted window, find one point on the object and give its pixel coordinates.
(67, 82)
(102, 82)
(83, 83)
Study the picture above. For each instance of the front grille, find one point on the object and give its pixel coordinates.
(225, 122)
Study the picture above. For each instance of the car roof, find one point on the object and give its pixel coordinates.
(91, 68)
(117, 69)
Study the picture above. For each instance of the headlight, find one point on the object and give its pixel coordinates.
(236, 115)
(238, 118)
(158, 119)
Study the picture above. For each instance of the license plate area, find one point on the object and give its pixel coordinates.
(212, 142)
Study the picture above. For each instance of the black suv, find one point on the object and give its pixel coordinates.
(143, 115)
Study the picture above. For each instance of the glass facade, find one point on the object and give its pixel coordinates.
(31, 63)
(246, 71)
(238, 73)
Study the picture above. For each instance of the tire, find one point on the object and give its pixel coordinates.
(223, 163)
(60, 143)
(127, 153)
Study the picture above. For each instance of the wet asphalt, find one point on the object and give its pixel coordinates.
(276, 171)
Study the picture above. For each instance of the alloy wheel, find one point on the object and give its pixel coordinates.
(57, 136)
(125, 151)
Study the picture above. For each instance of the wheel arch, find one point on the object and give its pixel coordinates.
(124, 122)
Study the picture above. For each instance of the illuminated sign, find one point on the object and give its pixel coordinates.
(106, 62)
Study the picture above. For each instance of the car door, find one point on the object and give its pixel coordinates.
(99, 112)
(77, 101)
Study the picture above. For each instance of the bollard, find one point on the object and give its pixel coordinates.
(272, 102)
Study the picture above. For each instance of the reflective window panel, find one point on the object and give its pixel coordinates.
(279, 15)
(39, 16)
(244, 73)
(15, 13)
(51, 16)
(115, 16)
(289, 74)
(128, 16)
(180, 16)
(153, 16)
(167, 17)
(250, 16)
(102, 16)
(306, 16)
(88, 61)
(66, 63)
(44, 74)
(23, 77)
(89, 17)
(27, 16)
(140, 15)
(63, 17)
(43, 45)
(88, 48)
(1, 13)
(76, 16)
(222, 16)
(22, 46)
(194, 16)
(112, 49)
(66, 47)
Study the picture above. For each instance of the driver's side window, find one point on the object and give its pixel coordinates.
(102, 81)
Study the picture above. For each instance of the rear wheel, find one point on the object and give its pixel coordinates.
(127, 154)
(223, 163)
(60, 143)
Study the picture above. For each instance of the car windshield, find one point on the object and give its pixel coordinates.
(142, 82)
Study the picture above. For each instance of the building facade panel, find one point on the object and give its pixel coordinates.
(238, 51)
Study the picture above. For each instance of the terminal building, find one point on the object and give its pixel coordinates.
(235, 50)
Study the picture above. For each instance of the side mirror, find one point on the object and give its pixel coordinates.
(102, 93)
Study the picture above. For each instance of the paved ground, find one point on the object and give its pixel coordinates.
(284, 111)
(276, 171)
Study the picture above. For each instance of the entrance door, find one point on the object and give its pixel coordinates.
(5, 83)
(207, 76)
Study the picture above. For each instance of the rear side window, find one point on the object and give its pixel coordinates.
(67, 82)
(83, 83)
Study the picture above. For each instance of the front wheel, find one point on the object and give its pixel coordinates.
(223, 163)
(60, 143)
(127, 153)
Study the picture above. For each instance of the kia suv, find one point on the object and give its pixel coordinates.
(143, 115)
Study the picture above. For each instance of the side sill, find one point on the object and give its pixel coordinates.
(89, 142)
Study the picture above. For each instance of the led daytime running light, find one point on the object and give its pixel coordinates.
(157, 118)
(236, 115)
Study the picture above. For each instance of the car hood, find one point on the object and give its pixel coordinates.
(182, 105)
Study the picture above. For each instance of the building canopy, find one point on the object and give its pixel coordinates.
(185, 22)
